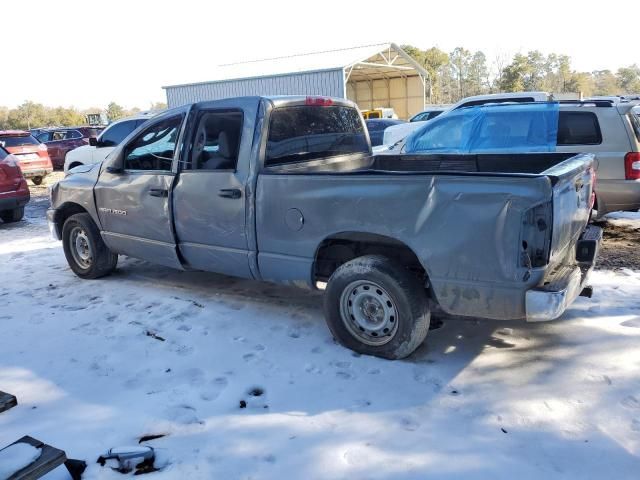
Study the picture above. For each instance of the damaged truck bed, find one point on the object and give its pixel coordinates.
(285, 189)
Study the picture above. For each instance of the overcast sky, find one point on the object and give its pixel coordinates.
(87, 53)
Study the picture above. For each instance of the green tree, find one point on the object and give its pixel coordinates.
(460, 58)
(581, 82)
(4, 118)
(513, 75)
(157, 106)
(629, 79)
(28, 115)
(114, 111)
(432, 60)
(604, 82)
(478, 81)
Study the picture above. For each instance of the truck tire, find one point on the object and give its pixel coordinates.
(37, 180)
(10, 216)
(86, 253)
(376, 307)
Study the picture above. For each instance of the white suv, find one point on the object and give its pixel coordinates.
(110, 138)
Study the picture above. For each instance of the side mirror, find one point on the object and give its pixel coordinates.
(93, 141)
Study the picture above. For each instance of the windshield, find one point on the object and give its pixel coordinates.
(18, 141)
(311, 132)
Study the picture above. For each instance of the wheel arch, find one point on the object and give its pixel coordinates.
(339, 248)
(67, 209)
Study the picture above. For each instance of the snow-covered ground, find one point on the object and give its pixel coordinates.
(99, 364)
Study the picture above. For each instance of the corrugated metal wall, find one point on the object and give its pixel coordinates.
(327, 82)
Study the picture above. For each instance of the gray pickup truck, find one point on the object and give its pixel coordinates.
(285, 189)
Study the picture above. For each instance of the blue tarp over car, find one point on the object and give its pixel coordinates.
(531, 127)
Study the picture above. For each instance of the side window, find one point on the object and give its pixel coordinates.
(433, 114)
(445, 135)
(375, 126)
(635, 123)
(57, 136)
(72, 134)
(578, 128)
(217, 140)
(153, 149)
(117, 132)
(44, 137)
(305, 133)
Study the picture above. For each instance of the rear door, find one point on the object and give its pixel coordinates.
(603, 134)
(134, 205)
(211, 197)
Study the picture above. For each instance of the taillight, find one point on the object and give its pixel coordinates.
(594, 179)
(318, 101)
(632, 166)
(42, 146)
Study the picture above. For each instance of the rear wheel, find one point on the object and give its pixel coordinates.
(37, 180)
(10, 216)
(86, 253)
(375, 306)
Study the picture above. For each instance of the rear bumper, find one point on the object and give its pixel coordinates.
(565, 283)
(10, 203)
(617, 195)
(37, 172)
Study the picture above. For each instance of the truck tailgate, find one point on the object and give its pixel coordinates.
(572, 201)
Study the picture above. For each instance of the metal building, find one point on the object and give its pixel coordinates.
(373, 76)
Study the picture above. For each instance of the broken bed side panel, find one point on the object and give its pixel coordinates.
(465, 229)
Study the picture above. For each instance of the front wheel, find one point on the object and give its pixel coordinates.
(37, 180)
(375, 306)
(10, 216)
(86, 253)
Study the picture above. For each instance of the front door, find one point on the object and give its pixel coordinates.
(210, 197)
(134, 203)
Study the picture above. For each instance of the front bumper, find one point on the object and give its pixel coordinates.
(54, 225)
(565, 283)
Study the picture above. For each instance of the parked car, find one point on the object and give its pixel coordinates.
(393, 135)
(285, 189)
(382, 112)
(33, 157)
(427, 114)
(100, 147)
(14, 192)
(377, 126)
(610, 131)
(60, 141)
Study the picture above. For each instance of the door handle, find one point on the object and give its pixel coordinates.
(230, 193)
(159, 192)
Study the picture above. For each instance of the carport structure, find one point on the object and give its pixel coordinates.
(373, 76)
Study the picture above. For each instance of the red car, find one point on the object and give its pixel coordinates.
(32, 155)
(14, 192)
(59, 141)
